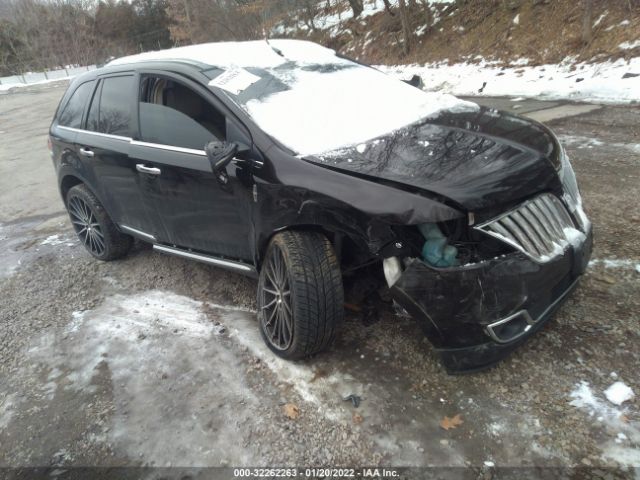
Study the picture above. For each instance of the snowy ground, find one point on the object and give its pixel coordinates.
(597, 82)
(154, 360)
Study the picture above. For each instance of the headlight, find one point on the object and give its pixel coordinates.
(571, 193)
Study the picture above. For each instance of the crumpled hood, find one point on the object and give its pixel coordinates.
(482, 159)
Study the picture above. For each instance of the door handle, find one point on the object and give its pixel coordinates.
(150, 170)
(86, 152)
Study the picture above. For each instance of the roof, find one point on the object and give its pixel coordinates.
(256, 53)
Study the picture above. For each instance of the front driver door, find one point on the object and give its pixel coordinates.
(198, 211)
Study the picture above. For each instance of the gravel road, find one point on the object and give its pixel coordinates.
(156, 361)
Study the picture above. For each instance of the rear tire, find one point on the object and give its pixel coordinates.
(300, 294)
(95, 229)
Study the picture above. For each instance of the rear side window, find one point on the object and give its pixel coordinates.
(71, 116)
(111, 108)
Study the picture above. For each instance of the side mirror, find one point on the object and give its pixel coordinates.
(415, 81)
(220, 153)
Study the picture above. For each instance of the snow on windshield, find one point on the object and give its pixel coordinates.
(307, 97)
(316, 109)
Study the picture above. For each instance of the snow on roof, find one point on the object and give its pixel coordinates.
(256, 53)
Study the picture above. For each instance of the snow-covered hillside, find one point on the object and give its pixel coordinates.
(528, 49)
(616, 82)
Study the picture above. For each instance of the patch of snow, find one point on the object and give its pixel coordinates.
(160, 350)
(584, 398)
(602, 413)
(232, 308)
(622, 263)
(618, 393)
(574, 236)
(516, 19)
(629, 45)
(320, 393)
(600, 18)
(53, 240)
(621, 437)
(8, 86)
(361, 148)
(489, 463)
(7, 408)
(581, 142)
(623, 23)
(601, 82)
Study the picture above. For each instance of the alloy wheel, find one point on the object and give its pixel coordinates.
(86, 226)
(277, 313)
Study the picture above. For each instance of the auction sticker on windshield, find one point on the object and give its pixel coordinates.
(234, 80)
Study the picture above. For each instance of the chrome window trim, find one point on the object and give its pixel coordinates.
(138, 143)
(99, 134)
(171, 148)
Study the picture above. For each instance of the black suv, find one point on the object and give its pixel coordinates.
(282, 160)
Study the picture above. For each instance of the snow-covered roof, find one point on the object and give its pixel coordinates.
(255, 53)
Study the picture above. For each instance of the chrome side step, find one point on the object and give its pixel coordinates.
(137, 233)
(239, 267)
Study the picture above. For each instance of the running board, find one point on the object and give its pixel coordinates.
(239, 267)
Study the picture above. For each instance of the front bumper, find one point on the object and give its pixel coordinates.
(456, 306)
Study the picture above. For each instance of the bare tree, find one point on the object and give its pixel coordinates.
(407, 34)
(587, 15)
(357, 7)
(387, 7)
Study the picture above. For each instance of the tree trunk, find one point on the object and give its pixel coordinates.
(356, 6)
(387, 7)
(187, 15)
(586, 21)
(406, 29)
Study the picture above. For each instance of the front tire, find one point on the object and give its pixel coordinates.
(95, 229)
(300, 294)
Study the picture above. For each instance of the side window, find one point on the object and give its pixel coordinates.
(110, 110)
(71, 116)
(173, 114)
(92, 116)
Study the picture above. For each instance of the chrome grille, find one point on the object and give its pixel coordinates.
(536, 228)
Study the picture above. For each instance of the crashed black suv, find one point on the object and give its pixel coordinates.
(282, 160)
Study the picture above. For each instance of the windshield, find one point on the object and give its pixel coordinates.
(314, 108)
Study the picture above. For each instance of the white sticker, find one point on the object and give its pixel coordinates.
(234, 80)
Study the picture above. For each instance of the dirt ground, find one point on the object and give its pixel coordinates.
(157, 361)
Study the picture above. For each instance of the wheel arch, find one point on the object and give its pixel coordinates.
(341, 240)
(71, 179)
(67, 183)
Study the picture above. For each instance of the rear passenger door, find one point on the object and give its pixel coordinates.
(177, 118)
(105, 143)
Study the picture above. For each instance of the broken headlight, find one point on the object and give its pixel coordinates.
(571, 193)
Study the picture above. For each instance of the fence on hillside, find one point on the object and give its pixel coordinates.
(35, 77)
